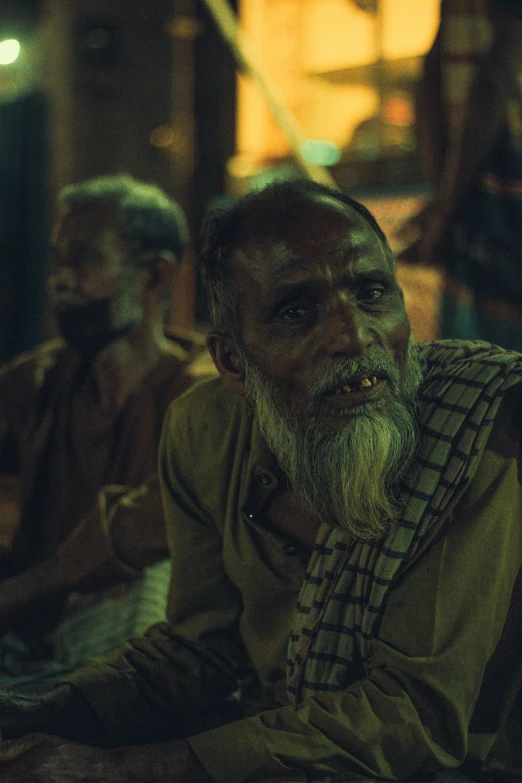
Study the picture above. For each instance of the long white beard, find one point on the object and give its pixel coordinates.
(349, 477)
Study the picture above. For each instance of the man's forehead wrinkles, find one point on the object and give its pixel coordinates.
(326, 241)
(274, 263)
(307, 253)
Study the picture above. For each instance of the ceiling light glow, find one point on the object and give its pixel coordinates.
(9, 51)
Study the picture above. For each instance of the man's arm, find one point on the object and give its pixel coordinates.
(121, 534)
(60, 710)
(63, 711)
(484, 111)
(494, 82)
(49, 759)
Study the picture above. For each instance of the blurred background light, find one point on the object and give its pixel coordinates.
(9, 51)
(162, 136)
(321, 152)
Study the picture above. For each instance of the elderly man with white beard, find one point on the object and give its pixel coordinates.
(346, 595)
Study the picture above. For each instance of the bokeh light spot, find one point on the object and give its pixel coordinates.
(162, 136)
(9, 51)
(321, 152)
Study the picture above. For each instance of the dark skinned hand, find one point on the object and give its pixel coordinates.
(60, 710)
(39, 758)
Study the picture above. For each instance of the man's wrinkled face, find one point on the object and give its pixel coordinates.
(323, 316)
(92, 288)
(329, 366)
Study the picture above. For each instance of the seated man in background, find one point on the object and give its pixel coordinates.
(345, 535)
(80, 416)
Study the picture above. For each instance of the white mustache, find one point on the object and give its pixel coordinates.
(340, 373)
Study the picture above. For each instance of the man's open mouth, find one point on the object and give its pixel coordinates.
(361, 384)
(357, 385)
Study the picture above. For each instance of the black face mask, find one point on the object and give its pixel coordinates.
(88, 328)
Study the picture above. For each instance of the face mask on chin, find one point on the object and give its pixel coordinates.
(90, 328)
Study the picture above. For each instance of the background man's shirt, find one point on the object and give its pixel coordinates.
(86, 469)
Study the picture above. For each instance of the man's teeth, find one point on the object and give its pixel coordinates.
(364, 383)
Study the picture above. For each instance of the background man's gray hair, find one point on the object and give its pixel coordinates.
(146, 218)
(225, 230)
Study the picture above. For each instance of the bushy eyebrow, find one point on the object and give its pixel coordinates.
(377, 275)
(295, 290)
(312, 287)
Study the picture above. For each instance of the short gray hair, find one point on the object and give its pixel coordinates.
(146, 218)
(226, 230)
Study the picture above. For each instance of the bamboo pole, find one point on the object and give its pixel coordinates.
(228, 25)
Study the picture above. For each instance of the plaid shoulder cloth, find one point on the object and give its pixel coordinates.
(343, 593)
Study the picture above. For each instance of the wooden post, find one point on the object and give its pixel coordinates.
(228, 25)
(183, 28)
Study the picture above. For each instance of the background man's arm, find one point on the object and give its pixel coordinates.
(495, 82)
(452, 164)
(166, 683)
(49, 759)
(157, 687)
(122, 533)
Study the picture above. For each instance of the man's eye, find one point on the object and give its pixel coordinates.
(372, 293)
(294, 313)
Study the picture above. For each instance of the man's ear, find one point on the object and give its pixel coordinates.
(225, 354)
(163, 269)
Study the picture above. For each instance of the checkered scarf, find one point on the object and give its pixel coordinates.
(345, 587)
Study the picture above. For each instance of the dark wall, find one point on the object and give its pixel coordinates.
(19, 17)
(215, 109)
(23, 222)
(121, 87)
(123, 91)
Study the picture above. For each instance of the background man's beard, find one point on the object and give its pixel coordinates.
(348, 477)
(90, 326)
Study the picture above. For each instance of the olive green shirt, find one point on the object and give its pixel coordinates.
(443, 685)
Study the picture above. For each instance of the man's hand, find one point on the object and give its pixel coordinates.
(60, 710)
(28, 589)
(39, 758)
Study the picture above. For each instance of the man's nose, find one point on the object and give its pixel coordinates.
(63, 277)
(350, 330)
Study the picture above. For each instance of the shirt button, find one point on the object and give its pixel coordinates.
(290, 549)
